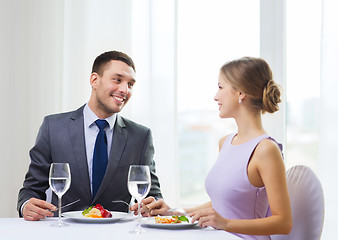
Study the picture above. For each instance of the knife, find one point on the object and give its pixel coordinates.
(69, 204)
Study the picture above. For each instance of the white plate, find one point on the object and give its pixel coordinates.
(150, 222)
(78, 217)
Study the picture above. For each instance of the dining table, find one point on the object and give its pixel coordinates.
(18, 228)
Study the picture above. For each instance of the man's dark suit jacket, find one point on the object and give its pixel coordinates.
(61, 139)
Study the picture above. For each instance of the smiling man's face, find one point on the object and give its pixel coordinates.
(112, 90)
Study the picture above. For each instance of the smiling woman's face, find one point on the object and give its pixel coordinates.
(226, 97)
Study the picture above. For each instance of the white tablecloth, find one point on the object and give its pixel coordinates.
(18, 228)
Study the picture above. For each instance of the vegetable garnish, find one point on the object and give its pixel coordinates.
(182, 218)
(86, 211)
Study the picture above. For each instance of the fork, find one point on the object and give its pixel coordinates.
(121, 201)
(177, 211)
(144, 207)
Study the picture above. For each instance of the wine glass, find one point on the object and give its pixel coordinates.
(139, 186)
(59, 182)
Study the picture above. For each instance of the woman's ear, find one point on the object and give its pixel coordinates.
(241, 96)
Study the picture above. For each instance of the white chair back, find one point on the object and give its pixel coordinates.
(307, 204)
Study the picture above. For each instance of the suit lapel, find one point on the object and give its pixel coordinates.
(119, 141)
(76, 132)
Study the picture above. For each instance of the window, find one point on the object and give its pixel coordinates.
(209, 33)
(303, 82)
(179, 47)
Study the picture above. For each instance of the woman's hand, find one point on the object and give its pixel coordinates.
(209, 217)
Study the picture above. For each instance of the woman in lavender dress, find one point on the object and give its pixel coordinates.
(247, 184)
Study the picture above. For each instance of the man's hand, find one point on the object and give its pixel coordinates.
(36, 209)
(151, 207)
(145, 211)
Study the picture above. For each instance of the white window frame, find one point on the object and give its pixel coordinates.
(272, 49)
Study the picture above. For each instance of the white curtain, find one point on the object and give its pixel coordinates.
(31, 69)
(328, 143)
(46, 52)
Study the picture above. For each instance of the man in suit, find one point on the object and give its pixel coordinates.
(70, 137)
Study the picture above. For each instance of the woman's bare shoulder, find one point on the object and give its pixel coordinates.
(268, 152)
(267, 146)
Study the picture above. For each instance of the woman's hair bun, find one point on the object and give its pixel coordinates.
(271, 97)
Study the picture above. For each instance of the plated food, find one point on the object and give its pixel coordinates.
(77, 216)
(168, 222)
(96, 211)
(171, 219)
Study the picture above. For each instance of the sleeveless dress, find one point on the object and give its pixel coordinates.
(227, 184)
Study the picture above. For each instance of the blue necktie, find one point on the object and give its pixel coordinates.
(100, 157)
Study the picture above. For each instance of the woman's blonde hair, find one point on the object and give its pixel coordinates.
(253, 77)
